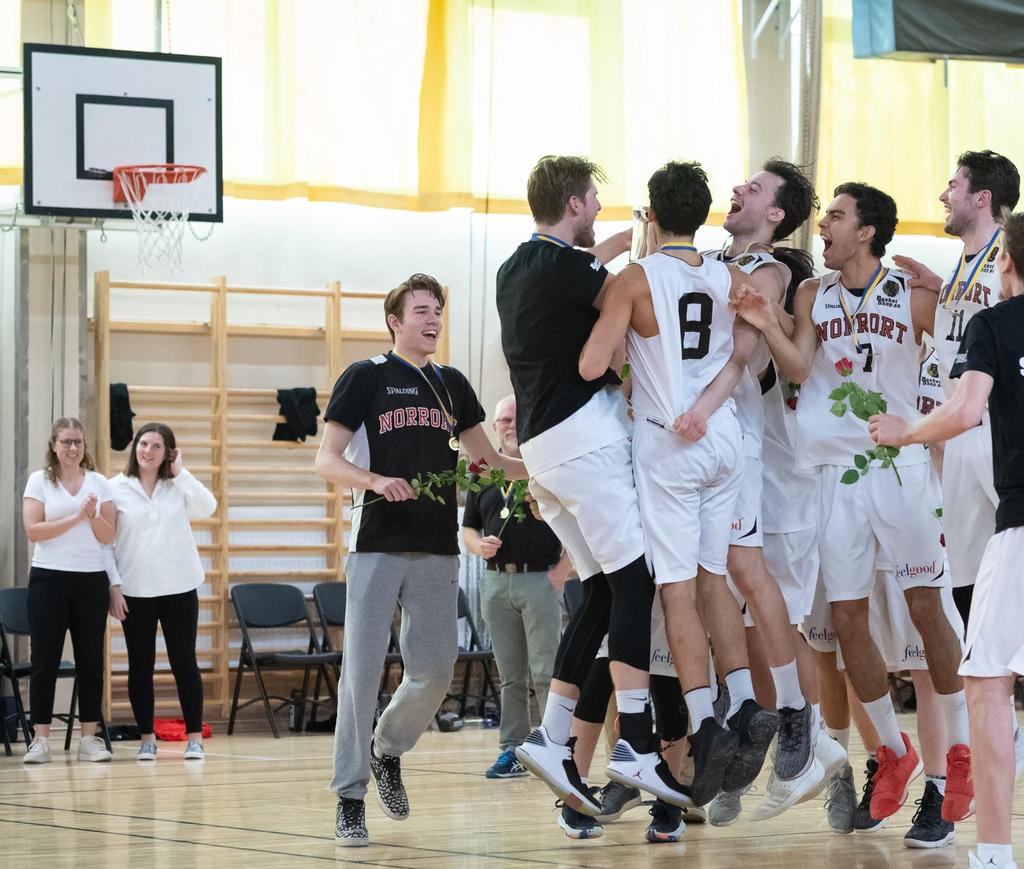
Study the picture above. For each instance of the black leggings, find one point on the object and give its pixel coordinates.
(619, 605)
(59, 601)
(178, 615)
(670, 711)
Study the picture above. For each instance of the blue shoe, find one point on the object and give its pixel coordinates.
(507, 766)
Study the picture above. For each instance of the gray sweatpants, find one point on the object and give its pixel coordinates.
(524, 615)
(427, 586)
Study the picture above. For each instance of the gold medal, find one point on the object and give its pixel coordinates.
(454, 443)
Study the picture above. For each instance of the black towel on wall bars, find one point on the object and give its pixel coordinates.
(300, 411)
(121, 433)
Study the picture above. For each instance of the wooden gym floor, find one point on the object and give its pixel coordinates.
(255, 801)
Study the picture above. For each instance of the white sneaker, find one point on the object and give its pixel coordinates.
(147, 751)
(1018, 751)
(553, 764)
(974, 863)
(38, 751)
(194, 750)
(781, 794)
(649, 772)
(93, 749)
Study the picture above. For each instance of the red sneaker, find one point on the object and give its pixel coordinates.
(893, 779)
(959, 800)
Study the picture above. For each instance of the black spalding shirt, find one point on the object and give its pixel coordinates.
(994, 345)
(545, 298)
(400, 431)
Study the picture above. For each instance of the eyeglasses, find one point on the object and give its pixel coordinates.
(68, 443)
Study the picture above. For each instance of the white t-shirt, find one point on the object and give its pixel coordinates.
(77, 549)
(154, 551)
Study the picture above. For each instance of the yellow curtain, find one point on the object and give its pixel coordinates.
(899, 125)
(428, 104)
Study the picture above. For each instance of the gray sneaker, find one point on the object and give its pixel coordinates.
(617, 799)
(194, 750)
(795, 746)
(147, 751)
(725, 809)
(841, 801)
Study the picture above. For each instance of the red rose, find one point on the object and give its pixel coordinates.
(791, 402)
(478, 467)
(844, 367)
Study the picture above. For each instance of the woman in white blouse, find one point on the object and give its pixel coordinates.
(157, 577)
(69, 515)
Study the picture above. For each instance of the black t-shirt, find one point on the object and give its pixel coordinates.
(527, 542)
(545, 296)
(994, 344)
(401, 431)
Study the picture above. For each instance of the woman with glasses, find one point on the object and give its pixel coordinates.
(68, 514)
(157, 577)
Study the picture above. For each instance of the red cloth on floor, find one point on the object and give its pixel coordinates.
(173, 729)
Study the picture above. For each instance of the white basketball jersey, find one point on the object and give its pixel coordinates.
(929, 384)
(887, 362)
(694, 341)
(789, 500)
(747, 394)
(958, 304)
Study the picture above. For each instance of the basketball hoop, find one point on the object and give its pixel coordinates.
(159, 196)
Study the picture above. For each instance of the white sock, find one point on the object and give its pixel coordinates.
(557, 719)
(955, 708)
(632, 700)
(787, 687)
(840, 735)
(740, 689)
(995, 855)
(883, 716)
(816, 719)
(1013, 709)
(939, 781)
(699, 705)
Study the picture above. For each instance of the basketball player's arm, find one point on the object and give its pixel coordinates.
(920, 275)
(331, 465)
(613, 246)
(961, 413)
(922, 312)
(792, 355)
(609, 331)
(476, 442)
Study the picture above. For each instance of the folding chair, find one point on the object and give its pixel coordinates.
(476, 653)
(14, 622)
(273, 605)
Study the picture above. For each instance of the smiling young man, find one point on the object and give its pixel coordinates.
(990, 368)
(863, 312)
(389, 419)
(574, 439)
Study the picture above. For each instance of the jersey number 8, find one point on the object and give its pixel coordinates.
(701, 326)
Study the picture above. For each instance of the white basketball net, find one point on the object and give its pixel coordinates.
(160, 198)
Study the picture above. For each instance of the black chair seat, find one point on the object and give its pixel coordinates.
(24, 668)
(293, 660)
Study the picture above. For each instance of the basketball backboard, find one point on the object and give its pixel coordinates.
(88, 110)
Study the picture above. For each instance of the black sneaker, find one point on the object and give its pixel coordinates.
(667, 823)
(391, 796)
(862, 820)
(756, 728)
(575, 824)
(350, 826)
(617, 799)
(928, 829)
(712, 748)
(795, 748)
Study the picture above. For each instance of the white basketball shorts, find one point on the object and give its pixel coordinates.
(590, 503)
(877, 521)
(995, 643)
(969, 502)
(687, 494)
(746, 520)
